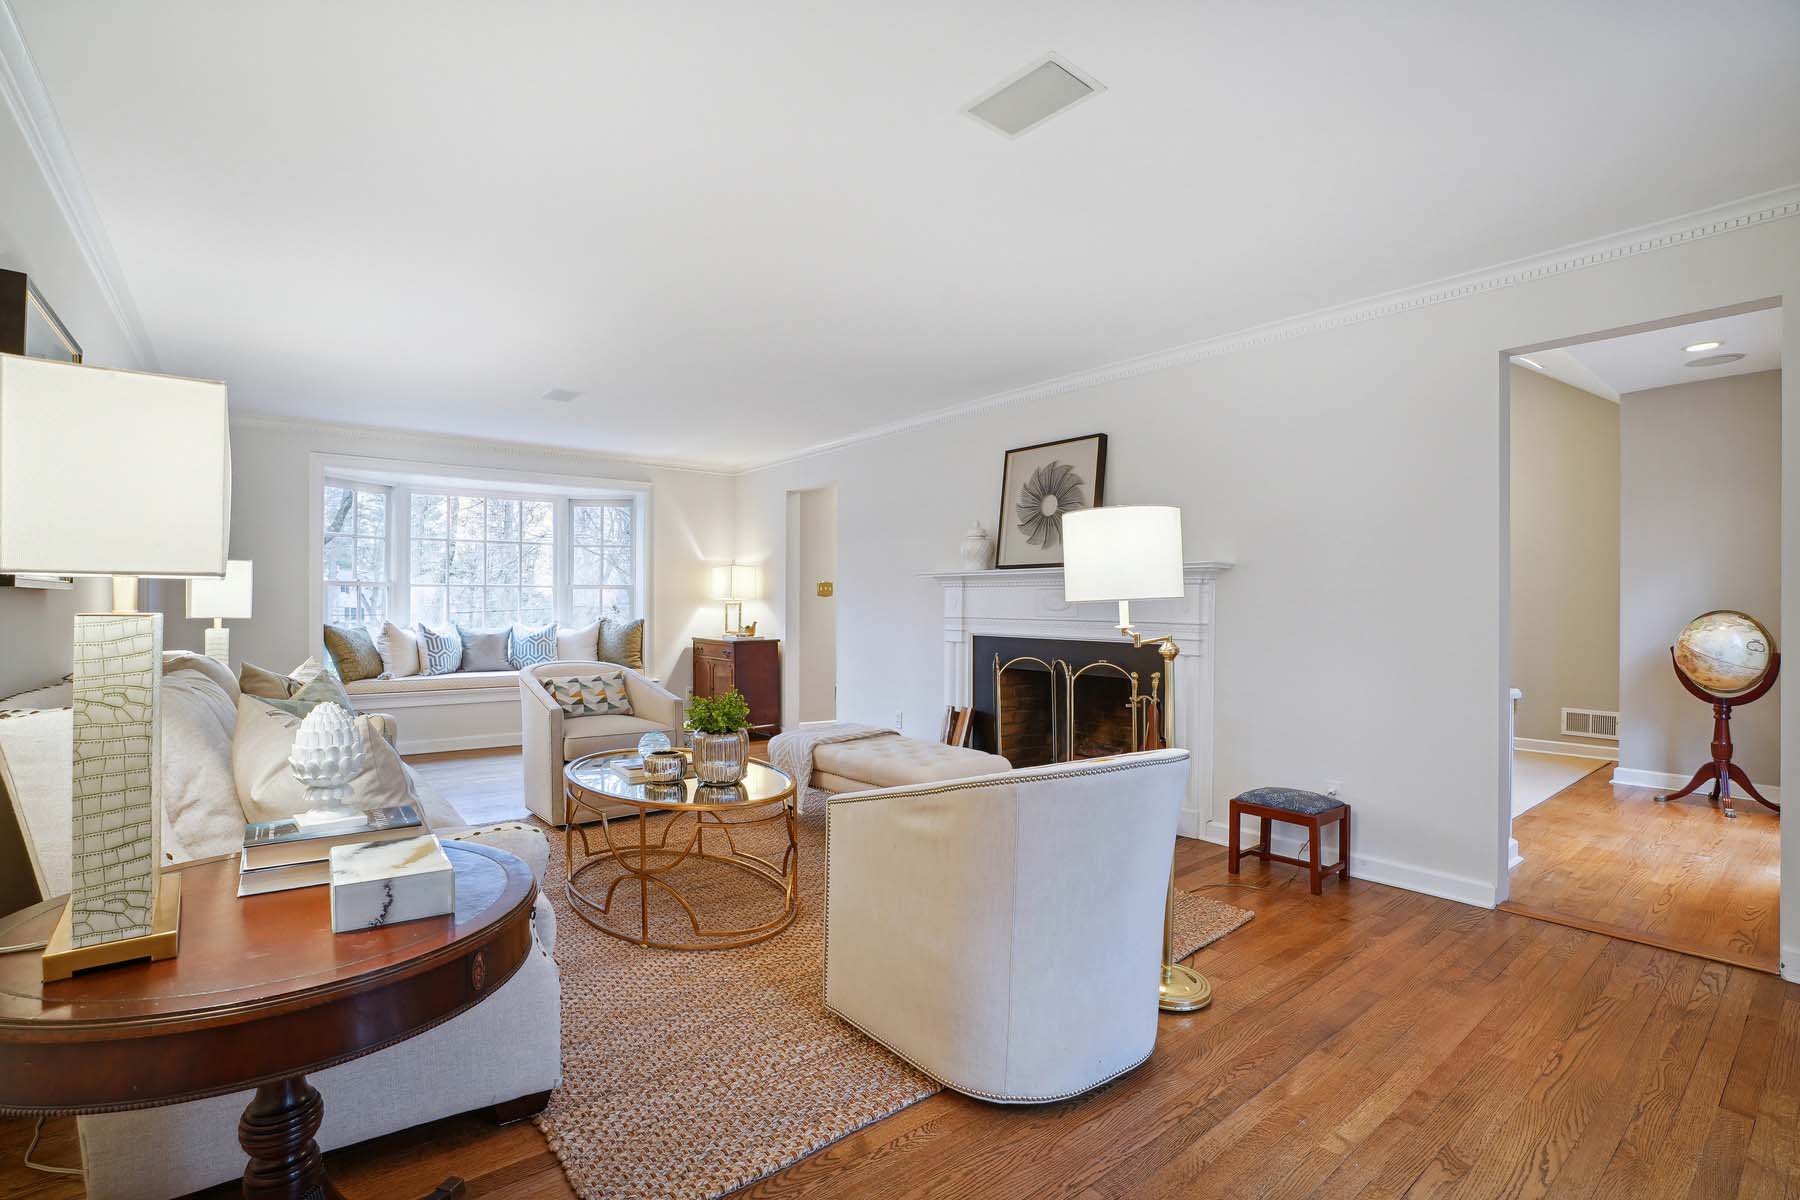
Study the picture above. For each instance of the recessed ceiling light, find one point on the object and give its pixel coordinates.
(1714, 360)
(1034, 95)
(559, 395)
(1701, 347)
(1530, 362)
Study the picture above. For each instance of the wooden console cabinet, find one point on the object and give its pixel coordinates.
(752, 666)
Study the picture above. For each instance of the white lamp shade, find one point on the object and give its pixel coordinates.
(1126, 552)
(107, 472)
(735, 582)
(227, 598)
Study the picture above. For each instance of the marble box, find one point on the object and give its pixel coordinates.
(384, 883)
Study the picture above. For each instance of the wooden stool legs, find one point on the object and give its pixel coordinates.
(1314, 824)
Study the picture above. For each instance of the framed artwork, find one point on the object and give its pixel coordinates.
(1038, 485)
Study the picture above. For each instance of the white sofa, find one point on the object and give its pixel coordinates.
(550, 738)
(504, 1050)
(1021, 962)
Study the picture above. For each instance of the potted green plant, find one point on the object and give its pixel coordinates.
(719, 734)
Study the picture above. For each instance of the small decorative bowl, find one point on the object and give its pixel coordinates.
(665, 766)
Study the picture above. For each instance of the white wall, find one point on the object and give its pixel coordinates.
(36, 627)
(272, 499)
(1357, 476)
(1565, 553)
(1701, 470)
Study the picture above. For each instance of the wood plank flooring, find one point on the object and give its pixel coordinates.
(1681, 876)
(1366, 1042)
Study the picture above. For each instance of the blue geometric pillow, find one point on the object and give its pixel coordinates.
(527, 647)
(440, 650)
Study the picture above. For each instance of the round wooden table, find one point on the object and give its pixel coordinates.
(261, 993)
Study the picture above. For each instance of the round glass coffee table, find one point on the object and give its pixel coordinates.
(706, 839)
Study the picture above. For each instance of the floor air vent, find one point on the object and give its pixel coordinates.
(1591, 722)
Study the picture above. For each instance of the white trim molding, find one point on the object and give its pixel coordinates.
(1790, 962)
(1643, 239)
(29, 101)
(1459, 888)
(1029, 603)
(1665, 781)
(1566, 749)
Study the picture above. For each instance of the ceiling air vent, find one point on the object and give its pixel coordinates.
(1043, 89)
(1591, 722)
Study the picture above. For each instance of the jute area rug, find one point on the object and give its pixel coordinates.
(690, 1074)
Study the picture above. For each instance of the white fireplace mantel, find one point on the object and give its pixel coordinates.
(1028, 602)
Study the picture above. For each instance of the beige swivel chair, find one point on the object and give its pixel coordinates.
(549, 738)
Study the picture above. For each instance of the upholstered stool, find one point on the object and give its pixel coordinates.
(1295, 807)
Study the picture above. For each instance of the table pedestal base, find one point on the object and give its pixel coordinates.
(277, 1131)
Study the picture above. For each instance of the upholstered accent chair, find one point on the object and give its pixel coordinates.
(1003, 933)
(549, 737)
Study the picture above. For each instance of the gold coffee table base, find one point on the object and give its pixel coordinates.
(651, 866)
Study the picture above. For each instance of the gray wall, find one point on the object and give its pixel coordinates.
(1565, 553)
(1701, 500)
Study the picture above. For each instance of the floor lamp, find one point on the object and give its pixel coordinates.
(125, 474)
(1126, 553)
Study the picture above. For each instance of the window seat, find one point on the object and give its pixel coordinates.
(464, 710)
(414, 684)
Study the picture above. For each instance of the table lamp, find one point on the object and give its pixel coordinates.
(220, 599)
(118, 473)
(1126, 553)
(733, 585)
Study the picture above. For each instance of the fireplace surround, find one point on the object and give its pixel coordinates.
(1029, 604)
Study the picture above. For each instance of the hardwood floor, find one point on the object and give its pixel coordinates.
(1366, 1042)
(1679, 875)
(483, 784)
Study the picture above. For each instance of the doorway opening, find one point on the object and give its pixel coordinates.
(812, 560)
(1644, 493)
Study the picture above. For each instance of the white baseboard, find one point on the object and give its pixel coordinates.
(1380, 870)
(1664, 781)
(1568, 749)
(1790, 963)
(467, 741)
(1190, 825)
(1513, 857)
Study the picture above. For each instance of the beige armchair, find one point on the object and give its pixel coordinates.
(549, 739)
(1003, 933)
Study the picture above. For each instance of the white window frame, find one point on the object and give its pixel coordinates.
(403, 495)
(637, 547)
(320, 583)
(403, 477)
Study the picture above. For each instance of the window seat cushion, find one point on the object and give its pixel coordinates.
(455, 681)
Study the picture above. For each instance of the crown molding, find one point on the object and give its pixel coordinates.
(424, 438)
(1660, 235)
(30, 102)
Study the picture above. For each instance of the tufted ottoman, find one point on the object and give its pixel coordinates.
(896, 761)
(1310, 810)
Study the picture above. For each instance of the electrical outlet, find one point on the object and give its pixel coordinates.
(1332, 788)
(900, 721)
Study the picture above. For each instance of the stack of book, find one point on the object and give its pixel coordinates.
(295, 852)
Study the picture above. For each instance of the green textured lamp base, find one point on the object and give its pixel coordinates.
(1183, 989)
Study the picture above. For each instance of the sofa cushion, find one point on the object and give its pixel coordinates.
(352, 652)
(440, 650)
(622, 642)
(483, 649)
(198, 714)
(266, 787)
(586, 735)
(399, 650)
(270, 685)
(895, 761)
(527, 646)
(579, 645)
(597, 695)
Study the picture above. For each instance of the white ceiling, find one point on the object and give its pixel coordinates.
(1657, 358)
(744, 229)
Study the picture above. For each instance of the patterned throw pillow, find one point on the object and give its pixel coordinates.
(483, 649)
(622, 642)
(352, 652)
(320, 688)
(526, 647)
(440, 651)
(591, 695)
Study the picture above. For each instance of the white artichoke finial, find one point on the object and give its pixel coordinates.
(329, 751)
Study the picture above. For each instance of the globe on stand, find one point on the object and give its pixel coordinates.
(1727, 659)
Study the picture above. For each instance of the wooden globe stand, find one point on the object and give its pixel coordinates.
(1721, 770)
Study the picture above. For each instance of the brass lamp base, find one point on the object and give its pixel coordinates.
(1183, 989)
(62, 958)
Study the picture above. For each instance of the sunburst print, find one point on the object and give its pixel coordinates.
(1053, 489)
